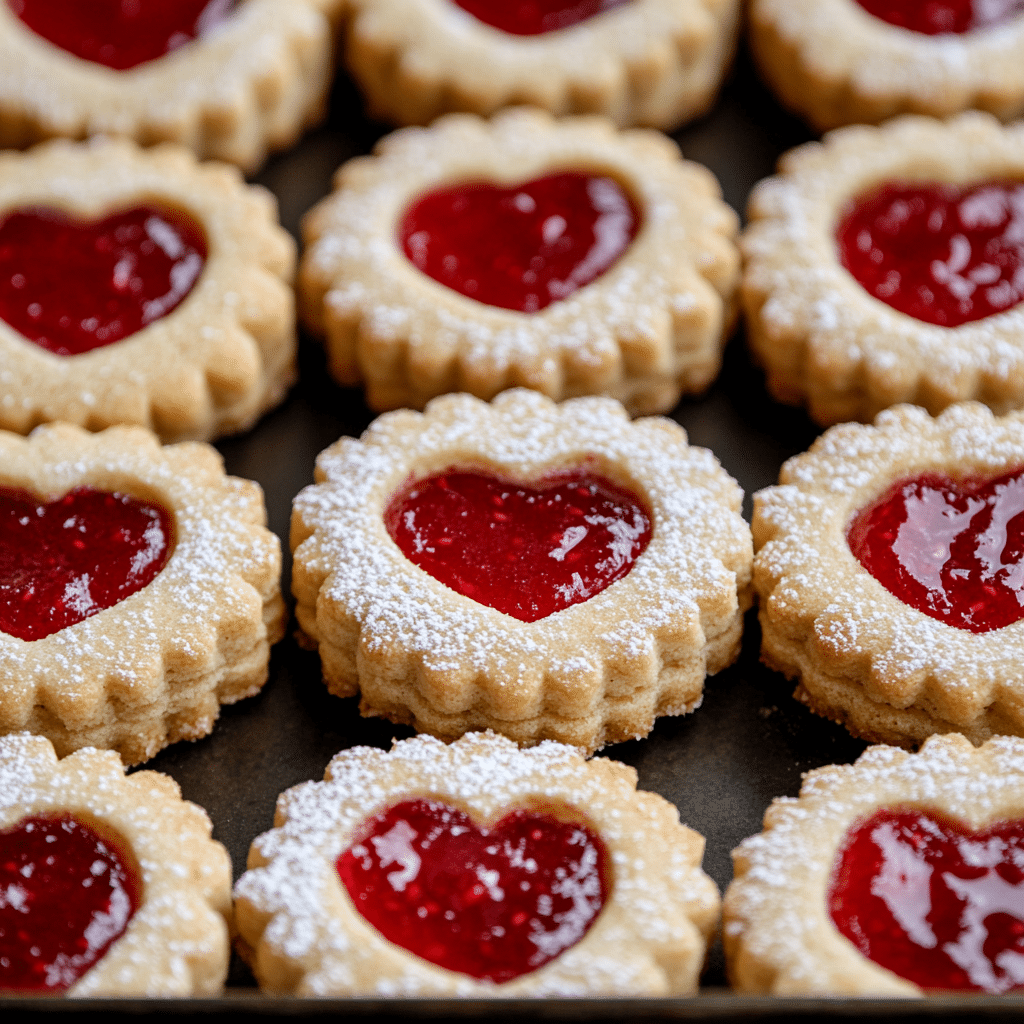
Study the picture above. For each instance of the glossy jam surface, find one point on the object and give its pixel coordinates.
(522, 247)
(535, 17)
(953, 550)
(492, 902)
(528, 551)
(71, 286)
(64, 560)
(935, 17)
(939, 253)
(932, 901)
(120, 33)
(66, 894)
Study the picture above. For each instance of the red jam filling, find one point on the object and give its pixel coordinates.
(71, 286)
(493, 902)
(932, 901)
(535, 17)
(953, 550)
(943, 254)
(522, 247)
(934, 17)
(66, 895)
(120, 33)
(526, 551)
(62, 561)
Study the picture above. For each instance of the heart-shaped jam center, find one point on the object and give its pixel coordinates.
(932, 901)
(535, 17)
(528, 551)
(521, 247)
(66, 894)
(120, 33)
(953, 550)
(492, 902)
(62, 561)
(71, 286)
(935, 17)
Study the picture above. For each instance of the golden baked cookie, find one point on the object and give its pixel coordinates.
(838, 62)
(549, 572)
(886, 265)
(890, 570)
(639, 62)
(478, 870)
(562, 256)
(137, 286)
(898, 875)
(231, 81)
(139, 589)
(111, 884)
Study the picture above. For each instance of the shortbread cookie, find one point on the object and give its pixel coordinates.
(891, 577)
(562, 256)
(838, 62)
(139, 589)
(229, 80)
(640, 62)
(112, 885)
(476, 869)
(137, 286)
(894, 876)
(885, 265)
(549, 572)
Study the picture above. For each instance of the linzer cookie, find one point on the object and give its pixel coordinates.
(112, 885)
(137, 286)
(549, 572)
(885, 265)
(139, 589)
(561, 256)
(475, 869)
(890, 574)
(229, 80)
(898, 875)
(838, 62)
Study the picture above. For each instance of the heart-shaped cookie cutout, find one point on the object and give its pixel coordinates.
(526, 550)
(939, 17)
(64, 560)
(933, 901)
(66, 894)
(524, 246)
(951, 549)
(492, 902)
(536, 16)
(71, 286)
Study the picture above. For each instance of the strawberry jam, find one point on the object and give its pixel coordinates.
(534, 17)
(493, 902)
(120, 34)
(66, 895)
(62, 561)
(71, 286)
(944, 254)
(934, 17)
(521, 247)
(528, 551)
(954, 551)
(932, 901)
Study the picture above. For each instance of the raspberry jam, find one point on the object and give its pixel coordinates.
(534, 17)
(528, 551)
(492, 903)
(954, 551)
(943, 254)
(932, 901)
(522, 247)
(71, 286)
(62, 561)
(66, 895)
(934, 17)
(120, 34)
